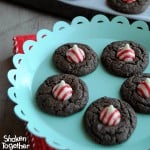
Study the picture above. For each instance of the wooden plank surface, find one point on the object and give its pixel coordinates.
(15, 20)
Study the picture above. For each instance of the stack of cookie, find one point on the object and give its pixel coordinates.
(129, 59)
(66, 94)
(107, 120)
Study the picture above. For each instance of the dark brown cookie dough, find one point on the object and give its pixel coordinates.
(88, 65)
(123, 68)
(49, 104)
(129, 93)
(109, 135)
(130, 8)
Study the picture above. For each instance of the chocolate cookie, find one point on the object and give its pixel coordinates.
(75, 58)
(136, 91)
(129, 6)
(62, 95)
(109, 134)
(125, 58)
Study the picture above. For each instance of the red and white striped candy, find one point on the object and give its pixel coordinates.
(110, 116)
(144, 88)
(129, 1)
(126, 53)
(62, 91)
(75, 54)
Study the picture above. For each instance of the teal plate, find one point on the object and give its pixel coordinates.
(33, 67)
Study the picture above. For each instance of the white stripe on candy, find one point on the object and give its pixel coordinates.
(62, 91)
(143, 88)
(110, 116)
(126, 53)
(75, 54)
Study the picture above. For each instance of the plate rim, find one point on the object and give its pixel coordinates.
(59, 27)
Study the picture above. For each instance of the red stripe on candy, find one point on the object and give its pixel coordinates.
(147, 87)
(129, 1)
(104, 113)
(121, 52)
(116, 120)
(110, 117)
(55, 88)
(70, 58)
(141, 92)
(126, 53)
(61, 90)
(66, 94)
(81, 53)
(76, 55)
(127, 56)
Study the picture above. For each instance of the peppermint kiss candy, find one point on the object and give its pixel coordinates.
(126, 53)
(110, 116)
(75, 54)
(129, 1)
(62, 91)
(144, 88)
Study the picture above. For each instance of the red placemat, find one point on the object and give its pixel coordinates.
(19, 40)
(35, 142)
